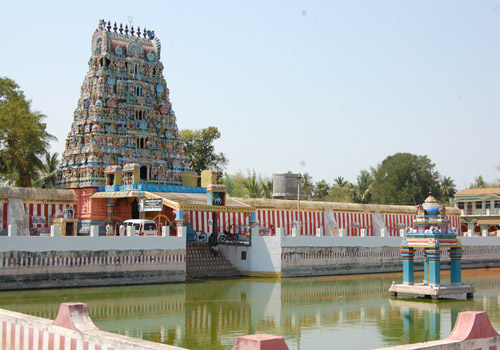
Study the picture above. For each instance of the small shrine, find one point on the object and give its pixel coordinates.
(431, 234)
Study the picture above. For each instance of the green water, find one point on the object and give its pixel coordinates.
(342, 312)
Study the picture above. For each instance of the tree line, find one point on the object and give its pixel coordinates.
(402, 178)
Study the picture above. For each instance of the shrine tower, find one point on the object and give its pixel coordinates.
(124, 114)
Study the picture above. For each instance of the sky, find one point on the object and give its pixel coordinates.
(324, 87)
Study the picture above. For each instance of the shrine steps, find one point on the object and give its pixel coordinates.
(201, 263)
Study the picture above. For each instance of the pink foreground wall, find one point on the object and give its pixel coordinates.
(74, 330)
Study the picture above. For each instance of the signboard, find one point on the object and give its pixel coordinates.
(155, 204)
(217, 198)
(38, 220)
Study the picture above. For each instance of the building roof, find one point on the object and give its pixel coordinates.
(38, 195)
(478, 191)
(281, 204)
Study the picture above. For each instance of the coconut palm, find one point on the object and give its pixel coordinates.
(48, 171)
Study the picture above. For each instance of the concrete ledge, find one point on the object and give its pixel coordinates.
(260, 342)
(427, 290)
(74, 316)
(473, 330)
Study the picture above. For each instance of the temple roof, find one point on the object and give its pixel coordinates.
(478, 191)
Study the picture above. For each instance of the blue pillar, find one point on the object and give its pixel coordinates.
(426, 267)
(434, 256)
(408, 270)
(253, 219)
(456, 265)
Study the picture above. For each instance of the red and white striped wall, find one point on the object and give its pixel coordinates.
(3, 215)
(353, 223)
(57, 261)
(40, 212)
(16, 336)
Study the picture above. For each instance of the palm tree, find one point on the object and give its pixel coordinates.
(479, 183)
(266, 186)
(48, 171)
(339, 181)
(448, 189)
(307, 186)
(252, 186)
(362, 190)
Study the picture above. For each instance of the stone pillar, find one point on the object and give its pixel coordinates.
(426, 267)
(179, 222)
(456, 265)
(434, 256)
(408, 271)
(110, 208)
(12, 230)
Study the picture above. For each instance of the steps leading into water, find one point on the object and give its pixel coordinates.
(201, 263)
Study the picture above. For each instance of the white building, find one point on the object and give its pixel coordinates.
(480, 210)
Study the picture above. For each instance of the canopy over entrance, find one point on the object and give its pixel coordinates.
(182, 201)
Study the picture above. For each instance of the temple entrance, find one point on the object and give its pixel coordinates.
(144, 172)
(70, 228)
(134, 209)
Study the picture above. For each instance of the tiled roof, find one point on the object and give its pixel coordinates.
(478, 191)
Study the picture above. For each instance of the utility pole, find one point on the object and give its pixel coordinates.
(299, 178)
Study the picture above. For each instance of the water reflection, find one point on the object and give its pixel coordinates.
(355, 312)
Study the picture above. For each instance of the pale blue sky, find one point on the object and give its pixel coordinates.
(325, 87)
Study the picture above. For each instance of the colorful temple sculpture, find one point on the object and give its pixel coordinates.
(124, 114)
(431, 234)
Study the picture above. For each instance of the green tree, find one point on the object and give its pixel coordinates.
(479, 183)
(404, 178)
(48, 172)
(321, 190)
(23, 137)
(340, 195)
(266, 186)
(307, 187)
(235, 184)
(200, 151)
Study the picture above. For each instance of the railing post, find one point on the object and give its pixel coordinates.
(94, 231)
(12, 230)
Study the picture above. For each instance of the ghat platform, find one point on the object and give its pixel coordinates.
(433, 292)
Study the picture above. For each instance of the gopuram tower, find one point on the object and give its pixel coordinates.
(124, 115)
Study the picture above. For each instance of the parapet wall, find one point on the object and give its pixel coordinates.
(322, 256)
(54, 262)
(289, 256)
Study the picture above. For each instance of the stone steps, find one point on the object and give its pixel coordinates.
(201, 263)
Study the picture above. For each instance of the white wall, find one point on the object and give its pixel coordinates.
(478, 240)
(333, 241)
(371, 241)
(264, 256)
(79, 243)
